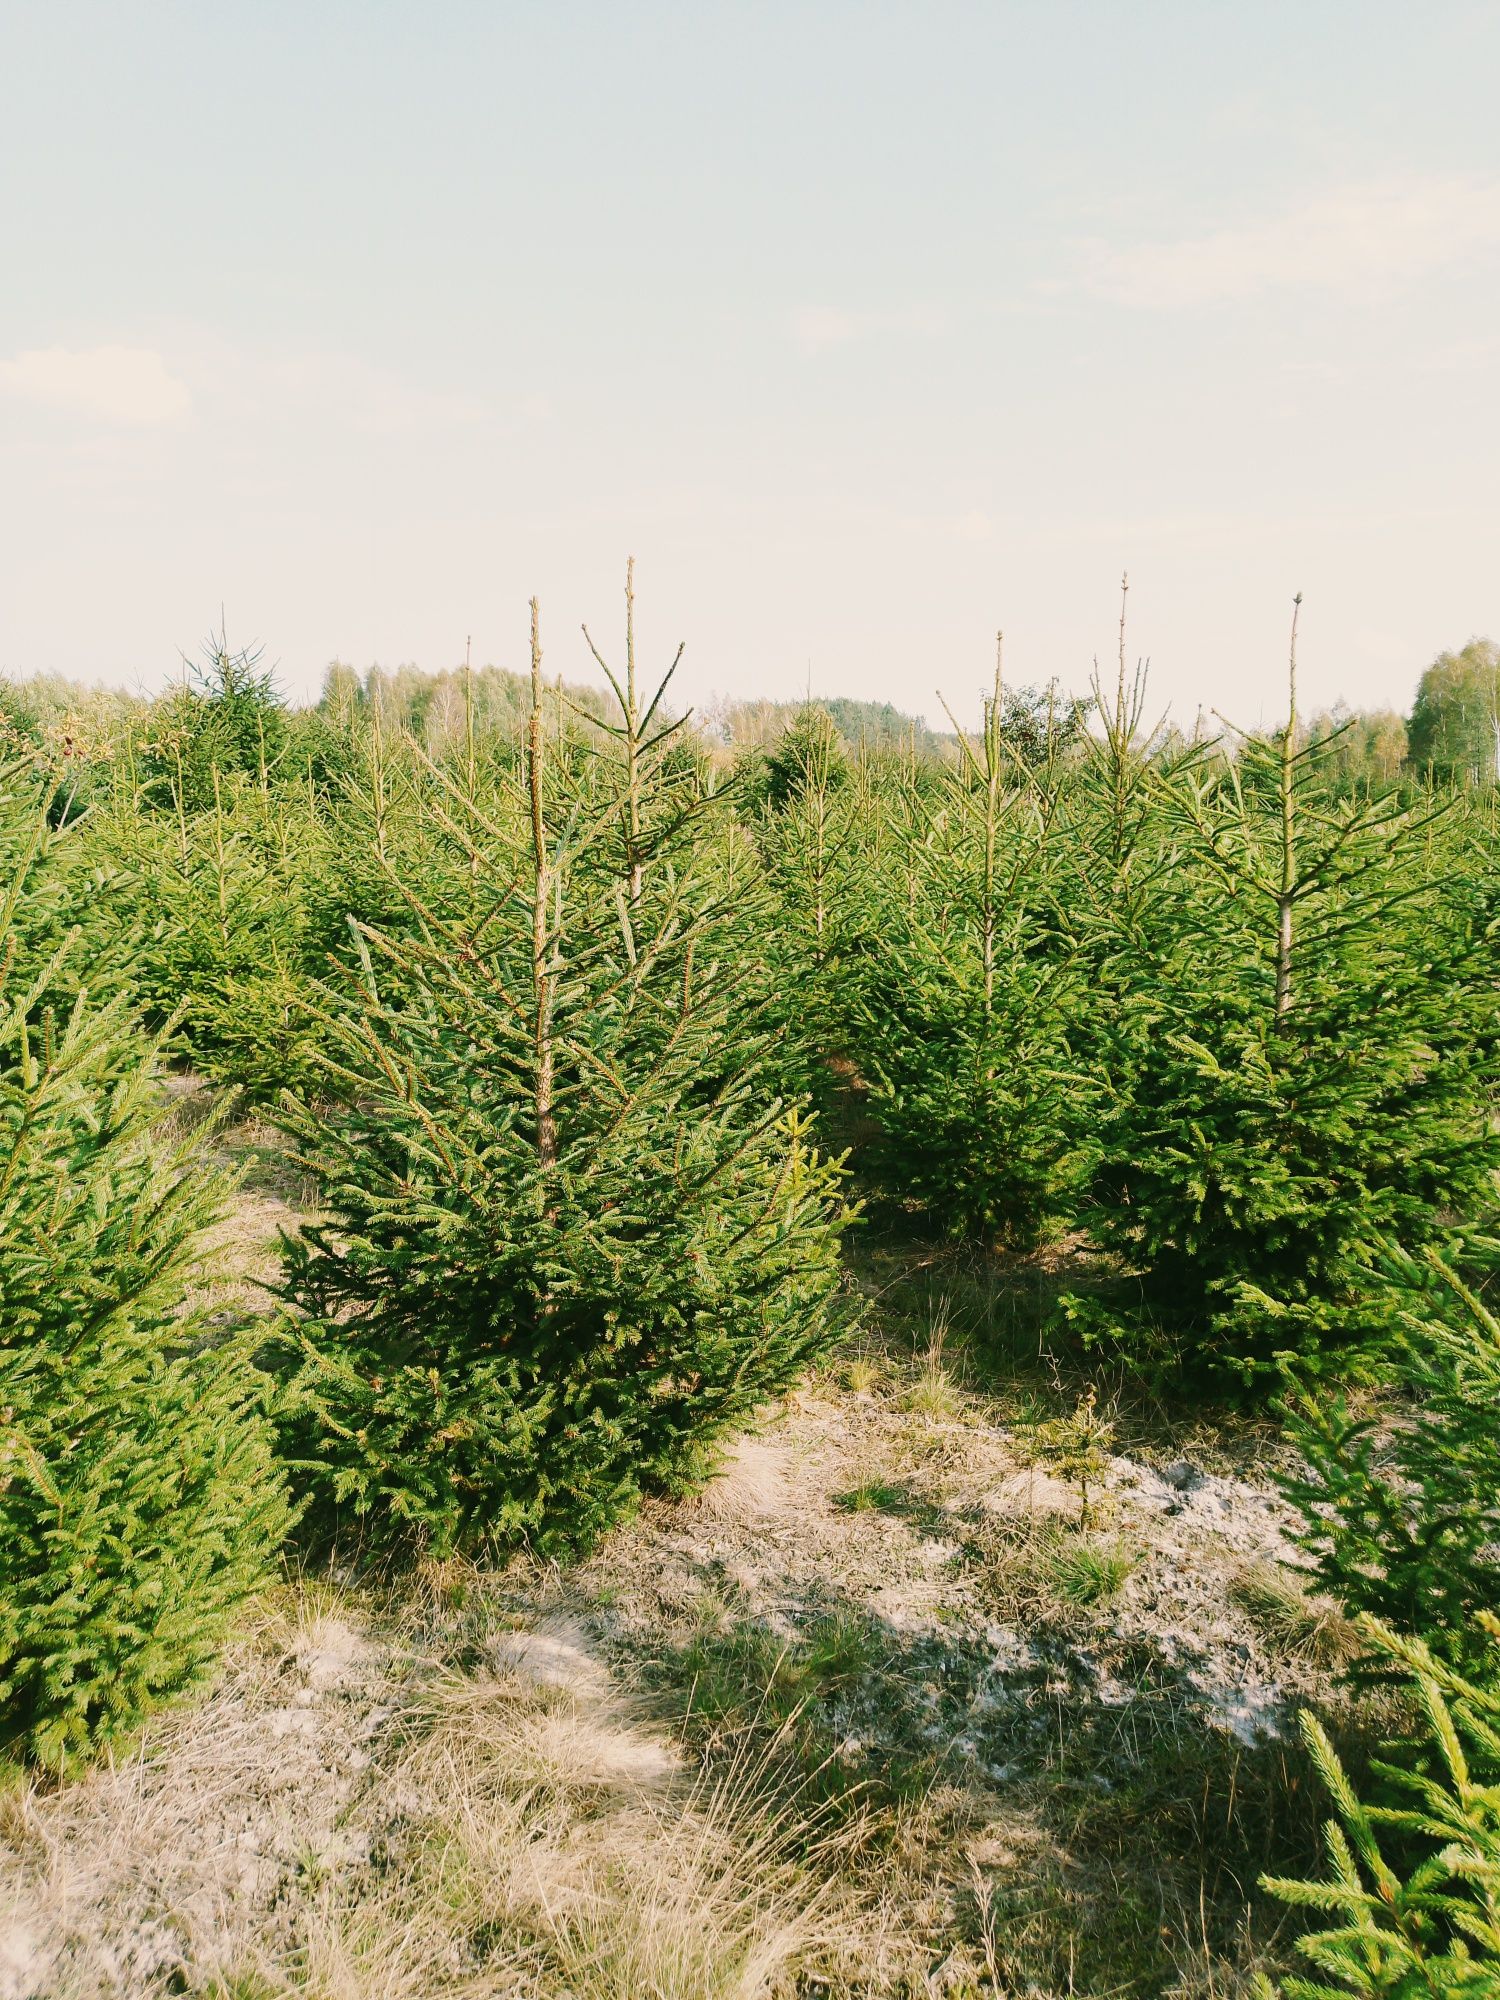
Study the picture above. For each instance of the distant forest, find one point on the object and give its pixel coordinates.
(1452, 735)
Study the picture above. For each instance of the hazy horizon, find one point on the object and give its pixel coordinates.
(867, 329)
(711, 702)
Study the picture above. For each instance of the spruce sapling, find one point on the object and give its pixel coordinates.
(1412, 1904)
(570, 1238)
(1291, 1077)
(139, 1499)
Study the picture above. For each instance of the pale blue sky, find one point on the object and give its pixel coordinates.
(866, 328)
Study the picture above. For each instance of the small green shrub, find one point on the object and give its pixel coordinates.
(808, 757)
(840, 1649)
(1076, 1445)
(860, 1374)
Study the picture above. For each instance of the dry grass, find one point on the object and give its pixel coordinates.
(569, 1848)
(1296, 1622)
(932, 1393)
(861, 1374)
(350, 1817)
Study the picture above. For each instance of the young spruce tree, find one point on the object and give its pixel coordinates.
(1411, 1906)
(218, 929)
(961, 1021)
(1293, 1077)
(807, 834)
(139, 1498)
(1402, 1506)
(570, 1237)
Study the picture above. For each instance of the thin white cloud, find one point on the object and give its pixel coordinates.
(135, 387)
(1358, 239)
(122, 385)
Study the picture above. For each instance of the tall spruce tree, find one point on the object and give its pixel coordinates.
(227, 716)
(1292, 1067)
(809, 757)
(1115, 875)
(139, 1499)
(570, 1236)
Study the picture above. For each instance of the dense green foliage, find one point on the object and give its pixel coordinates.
(808, 759)
(1292, 1074)
(1413, 1901)
(223, 925)
(962, 1004)
(1403, 1507)
(864, 727)
(574, 1231)
(139, 1501)
(226, 719)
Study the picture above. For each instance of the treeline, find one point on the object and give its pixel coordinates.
(553, 997)
(1452, 736)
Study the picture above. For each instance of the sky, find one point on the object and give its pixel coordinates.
(867, 329)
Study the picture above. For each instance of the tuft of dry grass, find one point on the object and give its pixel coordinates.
(861, 1374)
(870, 1496)
(1296, 1623)
(932, 1392)
(566, 1841)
